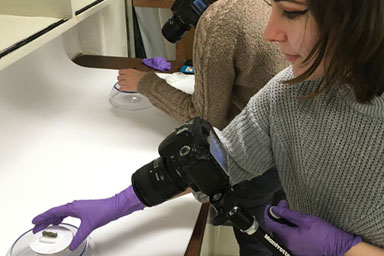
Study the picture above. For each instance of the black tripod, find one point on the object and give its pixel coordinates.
(228, 209)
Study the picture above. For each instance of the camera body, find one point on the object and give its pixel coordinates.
(191, 156)
(186, 15)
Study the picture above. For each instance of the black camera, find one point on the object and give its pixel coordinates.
(191, 156)
(186, 15)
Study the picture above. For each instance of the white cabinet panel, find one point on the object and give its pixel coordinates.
(26, 26)
(24, 23)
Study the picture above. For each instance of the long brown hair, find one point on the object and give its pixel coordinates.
(351, 38)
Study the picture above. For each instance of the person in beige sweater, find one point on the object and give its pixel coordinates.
(232, 62)
(231, 59)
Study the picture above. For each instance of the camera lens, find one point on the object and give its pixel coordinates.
(173, 30)
(153, 185)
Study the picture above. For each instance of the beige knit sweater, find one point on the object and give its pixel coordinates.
(232, 62)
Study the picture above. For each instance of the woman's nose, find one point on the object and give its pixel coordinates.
(274, 31)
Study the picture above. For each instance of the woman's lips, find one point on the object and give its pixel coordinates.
(291, 58)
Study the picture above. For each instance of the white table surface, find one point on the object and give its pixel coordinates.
(61, 140)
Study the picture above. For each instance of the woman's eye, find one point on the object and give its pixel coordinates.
(294, 14)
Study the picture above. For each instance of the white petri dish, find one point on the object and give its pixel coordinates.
(29, 244)
(128, 100)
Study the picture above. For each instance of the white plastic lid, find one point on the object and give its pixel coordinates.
(51, 245)
(29, 244)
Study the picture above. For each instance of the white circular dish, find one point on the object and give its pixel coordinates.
(29, 244)
(128, 100)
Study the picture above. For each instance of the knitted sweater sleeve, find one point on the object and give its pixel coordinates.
(173, 101)
(213, 53)
(247, 139)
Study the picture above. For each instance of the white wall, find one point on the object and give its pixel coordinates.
(104, 33)
(151, 20)
(219, 241)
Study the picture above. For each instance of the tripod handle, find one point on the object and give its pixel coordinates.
(248, 224)
(226, 206)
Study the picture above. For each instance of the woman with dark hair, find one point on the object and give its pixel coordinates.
(319, 121)
(324, 131)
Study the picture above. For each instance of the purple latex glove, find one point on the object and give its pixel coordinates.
(92, 213)
(158, 63)
(312, 236)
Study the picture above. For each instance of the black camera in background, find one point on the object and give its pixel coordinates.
(186, 15)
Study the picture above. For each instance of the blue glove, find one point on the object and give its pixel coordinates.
(312, 236)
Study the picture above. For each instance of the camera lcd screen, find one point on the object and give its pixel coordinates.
(217, 150)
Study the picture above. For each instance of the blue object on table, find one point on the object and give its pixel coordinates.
(187, 69)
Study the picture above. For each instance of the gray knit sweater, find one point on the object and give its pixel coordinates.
(329, 152)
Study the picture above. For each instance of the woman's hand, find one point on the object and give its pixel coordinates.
(92, 213)
(128, 79)
(312, 236)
